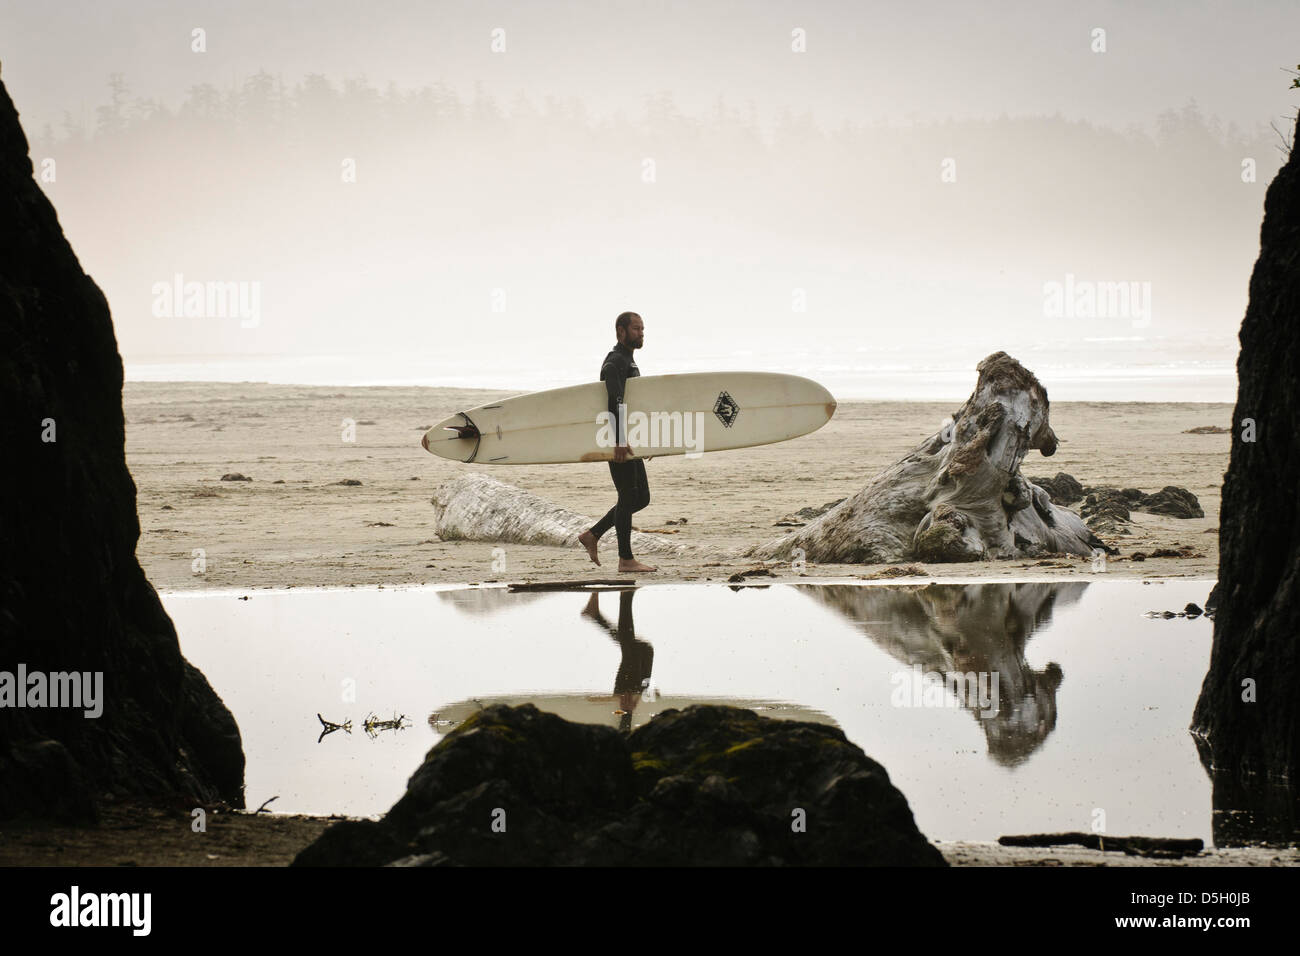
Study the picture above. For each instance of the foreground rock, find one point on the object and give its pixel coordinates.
(474, 507)
(707, 786)
(959, 495)
(72, 595)
(1248, 716)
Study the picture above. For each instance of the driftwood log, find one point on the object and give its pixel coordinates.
(959, 495)
(474, 507)
(1169, 847)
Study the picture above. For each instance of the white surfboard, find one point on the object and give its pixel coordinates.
(666, 415)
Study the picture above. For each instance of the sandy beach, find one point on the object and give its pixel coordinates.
(295, 525)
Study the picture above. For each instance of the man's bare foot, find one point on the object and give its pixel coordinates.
(631, 564)
(588, 541)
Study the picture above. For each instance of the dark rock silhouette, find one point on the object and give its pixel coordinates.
(1252, 811)
(1257, 741)
(702, 786)
(72, 595)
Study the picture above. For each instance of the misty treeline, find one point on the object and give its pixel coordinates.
(538, 154)
(468, 192)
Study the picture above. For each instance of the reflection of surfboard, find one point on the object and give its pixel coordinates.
(667, 415)
(600, 708)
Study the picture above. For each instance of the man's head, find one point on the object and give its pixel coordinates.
(630, 330)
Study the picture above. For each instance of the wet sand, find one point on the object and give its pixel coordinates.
(294, 525)
(131, 836)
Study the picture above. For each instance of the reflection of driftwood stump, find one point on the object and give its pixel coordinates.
(959, 495)
(957, 635)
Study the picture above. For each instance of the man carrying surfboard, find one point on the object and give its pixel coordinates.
(629, 476)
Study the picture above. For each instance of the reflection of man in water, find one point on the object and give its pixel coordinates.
(633, 675)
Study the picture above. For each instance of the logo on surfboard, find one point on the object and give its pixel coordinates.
(726, 409)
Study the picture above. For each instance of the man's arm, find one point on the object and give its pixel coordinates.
(615, 375)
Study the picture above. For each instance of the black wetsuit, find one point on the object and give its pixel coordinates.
(629, 476)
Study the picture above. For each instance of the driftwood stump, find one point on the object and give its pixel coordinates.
(959, 495)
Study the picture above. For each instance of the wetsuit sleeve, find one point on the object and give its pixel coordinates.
(615, 376)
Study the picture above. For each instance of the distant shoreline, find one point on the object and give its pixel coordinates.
(1156, 370)
(487, 391)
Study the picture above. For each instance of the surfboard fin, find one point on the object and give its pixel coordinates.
(468, 430)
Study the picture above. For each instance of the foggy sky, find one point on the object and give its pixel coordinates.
(1068, 164)
(865, 61)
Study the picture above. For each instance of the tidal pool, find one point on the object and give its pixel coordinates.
(1076, 709)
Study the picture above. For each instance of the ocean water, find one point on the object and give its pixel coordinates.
(1088, 721)
(1102, 368)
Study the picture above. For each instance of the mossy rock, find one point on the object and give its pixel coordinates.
(714, 786)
